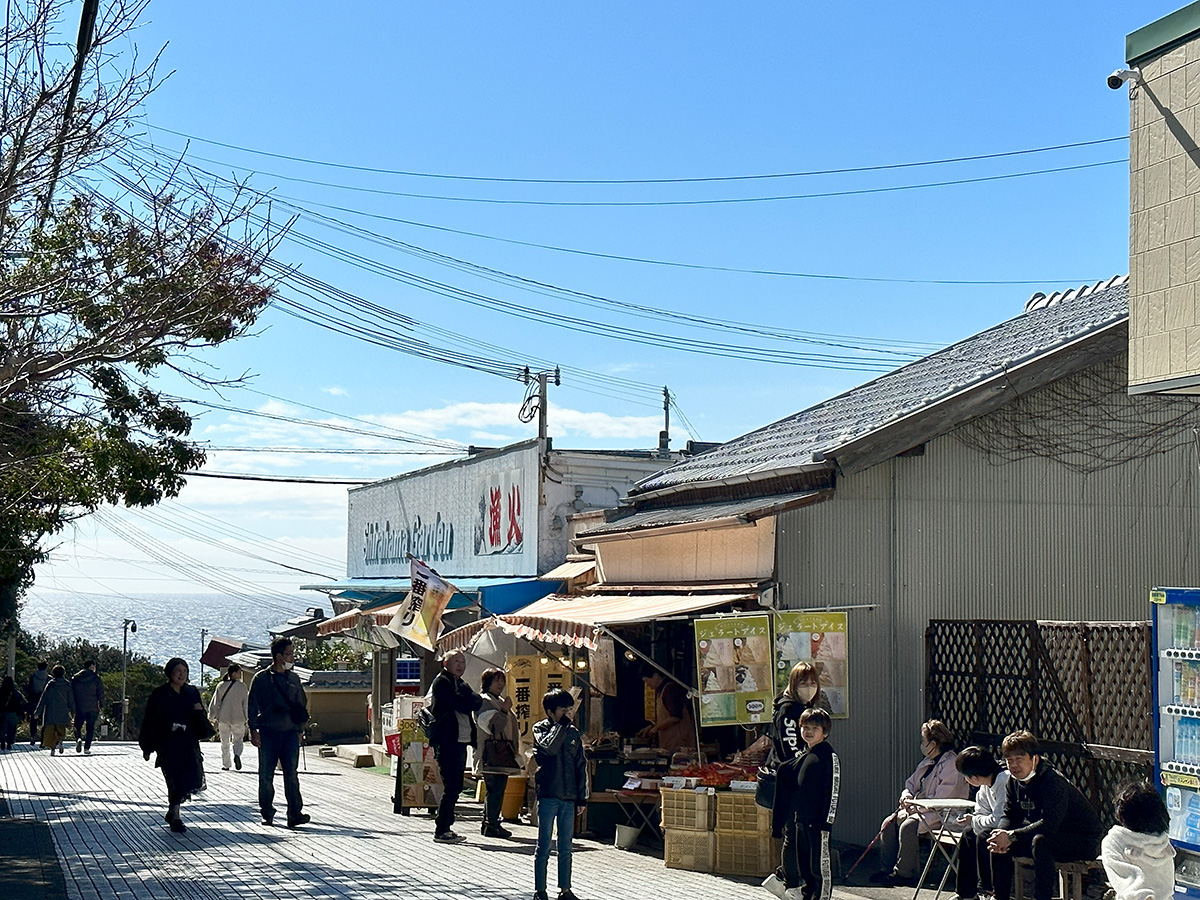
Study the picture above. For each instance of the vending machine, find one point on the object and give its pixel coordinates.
(1175, 626)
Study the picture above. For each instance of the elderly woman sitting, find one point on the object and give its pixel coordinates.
(935, 777)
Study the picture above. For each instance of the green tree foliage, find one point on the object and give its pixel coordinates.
(323, 655)
(100, 296)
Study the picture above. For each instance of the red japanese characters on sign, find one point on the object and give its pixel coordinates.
(501, 524)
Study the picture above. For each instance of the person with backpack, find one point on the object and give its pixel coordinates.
(229, 711)
(453, 730)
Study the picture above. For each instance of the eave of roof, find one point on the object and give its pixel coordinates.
(675, 518)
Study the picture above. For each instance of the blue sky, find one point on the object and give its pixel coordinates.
(621, 91)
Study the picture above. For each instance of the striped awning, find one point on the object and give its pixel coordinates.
(349, 622)
(573, 620)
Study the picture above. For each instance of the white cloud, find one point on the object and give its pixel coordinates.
(564, 422)
(335, 391)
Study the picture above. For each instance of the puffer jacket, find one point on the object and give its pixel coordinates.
(88, 690)
(562, 763)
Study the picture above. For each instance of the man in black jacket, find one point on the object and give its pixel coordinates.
(277, 709)
(453, 731)
(1045, 816)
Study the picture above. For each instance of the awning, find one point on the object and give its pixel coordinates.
(499, 594)
(351, 621)
(569, 570)
(573, 620)
(216, 654)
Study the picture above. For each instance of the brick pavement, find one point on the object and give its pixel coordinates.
(104, 814)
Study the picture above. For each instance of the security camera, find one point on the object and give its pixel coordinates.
(1120, 76)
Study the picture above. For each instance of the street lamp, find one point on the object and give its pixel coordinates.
(127, 626)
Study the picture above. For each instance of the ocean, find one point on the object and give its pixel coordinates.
(167, 624)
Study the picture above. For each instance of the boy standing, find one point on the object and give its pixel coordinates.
(807, 791)
(561, 787)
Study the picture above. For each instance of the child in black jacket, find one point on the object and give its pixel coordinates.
(807, 791)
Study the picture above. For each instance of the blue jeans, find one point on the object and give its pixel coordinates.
(281, 747)
(551, 810)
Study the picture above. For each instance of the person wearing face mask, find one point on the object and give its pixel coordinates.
(277, 710)
(935, 777)
(1045, 817)
(803, 692)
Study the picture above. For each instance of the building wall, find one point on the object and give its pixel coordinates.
(338, 713)
(739, 553)
(1164, 233)
(967, 531)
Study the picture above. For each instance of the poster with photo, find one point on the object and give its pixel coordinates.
(734, 659)
(819, 638)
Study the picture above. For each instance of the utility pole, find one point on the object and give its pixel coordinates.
(127, 626)
(203, 635)
(664, 436)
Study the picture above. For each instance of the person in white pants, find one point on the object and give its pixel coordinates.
(228, 710)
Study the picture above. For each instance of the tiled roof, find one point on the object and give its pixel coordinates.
(1048, 324)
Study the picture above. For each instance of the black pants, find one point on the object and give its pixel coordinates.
(974, 864)
(493, 798)
(452, 762)
(85, 728)
(1046, 850)
(812, 859)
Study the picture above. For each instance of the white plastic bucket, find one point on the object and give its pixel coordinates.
(627, 837)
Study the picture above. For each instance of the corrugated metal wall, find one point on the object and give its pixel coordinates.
(953, 535)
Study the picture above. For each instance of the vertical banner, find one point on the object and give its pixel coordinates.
(522, 688)
(604, 666)
(733, 659)
(419, 618)
(819, 638)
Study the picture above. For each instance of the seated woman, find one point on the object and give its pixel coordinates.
(936, 777)
(981, 771)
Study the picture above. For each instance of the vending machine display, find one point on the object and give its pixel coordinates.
(1175, 625)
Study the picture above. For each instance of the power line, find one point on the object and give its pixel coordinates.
(695, 202)
(285, 479)
(616, 181)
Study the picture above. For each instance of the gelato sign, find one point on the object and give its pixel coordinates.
(388, 545)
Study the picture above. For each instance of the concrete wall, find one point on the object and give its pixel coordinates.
(960, 533)
(1164, 231)
(341, 712)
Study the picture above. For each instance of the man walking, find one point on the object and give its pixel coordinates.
(37, 683)
(89, 697)
(278, 710)
(453, 731)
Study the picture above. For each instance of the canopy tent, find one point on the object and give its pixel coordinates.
(575, 620)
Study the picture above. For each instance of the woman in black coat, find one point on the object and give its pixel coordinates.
(173, 727)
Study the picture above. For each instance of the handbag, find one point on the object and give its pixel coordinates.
(298, 712)
(499, 754)
(764, 787)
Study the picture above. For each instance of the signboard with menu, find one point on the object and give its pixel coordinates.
(734, 668)
(818, 638)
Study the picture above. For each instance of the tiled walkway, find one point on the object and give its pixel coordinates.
(105, 812)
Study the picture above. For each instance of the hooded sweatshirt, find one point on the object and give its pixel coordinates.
(785, 722)
(1139, 866)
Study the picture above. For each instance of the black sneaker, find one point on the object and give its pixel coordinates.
(268, 818)
(177, 826)
(302, 819)
(540, 895)
(237, 763)
(448, 837)
(566, 894)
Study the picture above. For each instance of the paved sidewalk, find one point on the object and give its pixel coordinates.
(104, 815)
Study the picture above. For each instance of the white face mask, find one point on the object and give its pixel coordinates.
(806, 692)
(287, 666)
(1028, 778)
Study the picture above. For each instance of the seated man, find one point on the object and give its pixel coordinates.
(1045, 817)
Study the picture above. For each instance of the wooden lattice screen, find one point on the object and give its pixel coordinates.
(1082, 687)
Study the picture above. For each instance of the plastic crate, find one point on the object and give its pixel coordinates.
(687, 810)
(692, 850)
(746, 854)
(738, 814)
